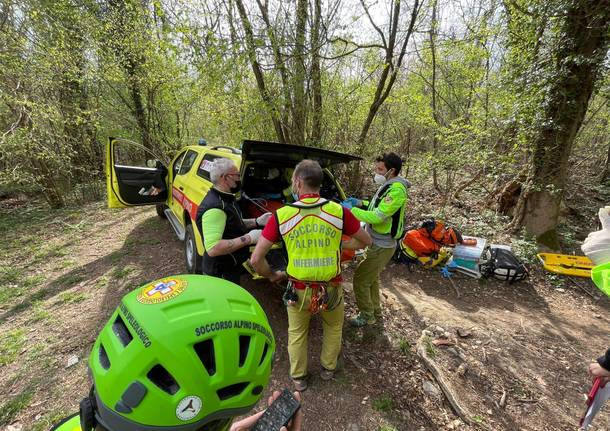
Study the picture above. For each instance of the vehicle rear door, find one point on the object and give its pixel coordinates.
(287, 156)
(131, 172)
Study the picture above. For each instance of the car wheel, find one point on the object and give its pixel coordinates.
(192, 258)
(161, 210)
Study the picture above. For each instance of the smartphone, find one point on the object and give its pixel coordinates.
(279, 413)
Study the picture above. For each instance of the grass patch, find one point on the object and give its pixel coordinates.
(50, 419)
(383, 404)
(117, 255)
(19, 287)
(478, 419)
(39, 313)
(430, 349)
(102, 282)
(525, 247)
(10, 275)
(33, 281)
(10, 345)
(68, 280)
(66, 263)
(11, 408)
(72, 297)
(405, 347)
(7, 293)
(555, 280)
(122, 271)
(387, 428)
(54, 250)
(36, 351)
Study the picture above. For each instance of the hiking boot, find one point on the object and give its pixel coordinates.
(300, 384)
(361, 320)
(327, 374)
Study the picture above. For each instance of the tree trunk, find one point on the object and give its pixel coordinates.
(580, 55)
(280, 66)
(605, 174)
(388, 76)
(316, 75)
(258, 72)
(123, 23)
(299, 119)
(433, 100)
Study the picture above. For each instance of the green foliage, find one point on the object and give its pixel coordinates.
(38, 312)
(405, 347)
(75, 74)
(430, 349)
(72, 297)
(525, 247)
(121, 272)
(50, 419)
(12, 407)
(10, 345)
(68, 280)
(478, 419)
(383, 404)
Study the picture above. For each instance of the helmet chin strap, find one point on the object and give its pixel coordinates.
(87, 413)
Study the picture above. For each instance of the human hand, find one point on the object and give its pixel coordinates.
(154, 191)
(351, 202)
(596, 370)
(247, 423)
(263, 219)
(278, 276)
(254, 235)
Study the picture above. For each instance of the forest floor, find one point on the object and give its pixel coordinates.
(515, 356)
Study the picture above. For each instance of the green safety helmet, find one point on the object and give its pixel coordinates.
(186, 352)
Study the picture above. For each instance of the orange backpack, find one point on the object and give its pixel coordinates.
(428, 239)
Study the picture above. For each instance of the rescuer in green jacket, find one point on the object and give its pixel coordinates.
(384, 216)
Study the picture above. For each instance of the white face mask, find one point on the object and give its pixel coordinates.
(379, 179)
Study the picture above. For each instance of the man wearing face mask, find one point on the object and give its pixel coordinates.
(384, 217)
(226, 235)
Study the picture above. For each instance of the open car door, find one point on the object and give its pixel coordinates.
(131, 172)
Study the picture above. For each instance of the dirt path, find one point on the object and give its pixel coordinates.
(64, 272)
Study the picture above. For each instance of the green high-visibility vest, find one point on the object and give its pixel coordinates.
(311, 229)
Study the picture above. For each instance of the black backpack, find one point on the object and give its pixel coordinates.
(503, 265)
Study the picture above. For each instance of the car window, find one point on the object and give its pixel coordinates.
(206, 165)
(127, 153)
(177, 163)
(187, 162)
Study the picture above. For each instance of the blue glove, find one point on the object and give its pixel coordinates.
(445, 272)
(349, 203)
